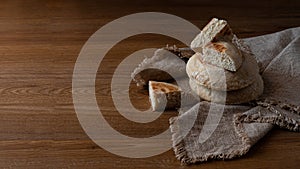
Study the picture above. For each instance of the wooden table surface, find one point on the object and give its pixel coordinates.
(40, 42)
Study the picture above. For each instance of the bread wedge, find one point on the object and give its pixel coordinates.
(223, 54)
(215, 30)
(164, 95)
(169, 96)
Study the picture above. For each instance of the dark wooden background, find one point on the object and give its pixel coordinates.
(39, 44)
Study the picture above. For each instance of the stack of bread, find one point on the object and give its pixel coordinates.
(223, 66)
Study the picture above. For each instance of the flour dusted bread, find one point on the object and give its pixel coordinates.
(232, 97)
(215, 30)
(210, 76)
(215, 43)
(223, 66)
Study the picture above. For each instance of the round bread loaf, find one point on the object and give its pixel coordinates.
(212, 77)
(243, 95)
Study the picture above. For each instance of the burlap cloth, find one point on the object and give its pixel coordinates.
(241, 126)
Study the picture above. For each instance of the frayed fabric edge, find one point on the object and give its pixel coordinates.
(182, 154)
(238, 119)
(283, 105)
(280, 119)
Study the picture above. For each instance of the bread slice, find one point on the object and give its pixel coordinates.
(223, 54)
(244, 95)
(211, 76)
(215, 30)
(164, 95)
(169, 96)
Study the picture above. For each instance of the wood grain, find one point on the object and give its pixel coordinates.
(40, 42)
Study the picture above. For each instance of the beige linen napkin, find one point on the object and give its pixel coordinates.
(241, 126)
